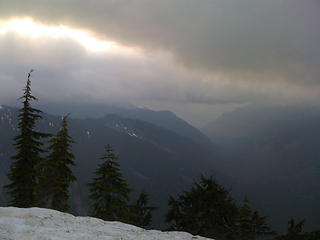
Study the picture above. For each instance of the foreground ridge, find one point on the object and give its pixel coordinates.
(47, 224)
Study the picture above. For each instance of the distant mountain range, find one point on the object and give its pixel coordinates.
(269, 153)
(272, 154)
(158, 151)
(164, 118)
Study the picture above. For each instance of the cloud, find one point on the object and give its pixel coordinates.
(207, 52)
(273, 37)
(65, 71)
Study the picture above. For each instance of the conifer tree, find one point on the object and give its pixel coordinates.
(141, 212)
(175, 216)
(207, 210)
(55, 175)
(22, 174)
(250, 226)
(245, 226)
(314, 235)
(294, 231)
(109, 190)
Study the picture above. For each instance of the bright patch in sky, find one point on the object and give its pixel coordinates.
(32, 29)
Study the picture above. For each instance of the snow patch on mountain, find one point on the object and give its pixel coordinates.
(46, 224)
(132, 134)
(7, 117)
(121, 127)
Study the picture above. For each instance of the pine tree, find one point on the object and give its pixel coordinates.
(22, 174)
(55, 174)
(294, 231)
(141, 212)
(109, 190)
(261, 228)
(314, 235)
(207, 210)
(174, 216)
(250, 226)
(245, 226)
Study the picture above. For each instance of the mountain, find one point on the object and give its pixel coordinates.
(271, 153)
(151, 157)
(38, 223)
(165, 119)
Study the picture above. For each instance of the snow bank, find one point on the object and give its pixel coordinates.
(45, 224)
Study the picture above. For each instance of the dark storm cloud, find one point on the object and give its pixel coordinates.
(65, 71)
(278, 38)
(200, 53)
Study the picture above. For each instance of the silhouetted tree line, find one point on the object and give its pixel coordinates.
(44, 181)
(207, 209)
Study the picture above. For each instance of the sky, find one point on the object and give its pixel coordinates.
(198, 58)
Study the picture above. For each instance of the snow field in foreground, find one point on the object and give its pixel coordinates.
(46, 224)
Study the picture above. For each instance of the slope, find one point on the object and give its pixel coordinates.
(37, 223)
(271, 153)
(151, 157)
(164, 119)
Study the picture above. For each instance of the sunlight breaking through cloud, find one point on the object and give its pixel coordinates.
(30, 28)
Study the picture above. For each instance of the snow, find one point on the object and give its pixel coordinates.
(123, 128)
(46, 224)
(132, 134)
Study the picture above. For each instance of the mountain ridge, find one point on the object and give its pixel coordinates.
(151, 157)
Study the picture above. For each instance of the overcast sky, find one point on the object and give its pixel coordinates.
(195, 57)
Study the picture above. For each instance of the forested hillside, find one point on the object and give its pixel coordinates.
(151, 157)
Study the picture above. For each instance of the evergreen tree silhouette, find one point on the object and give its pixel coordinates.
(250, 226)
(55, 175)
(109, 190)
(22, 174)
(294, 231)
(141, 212)
(207, 210)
